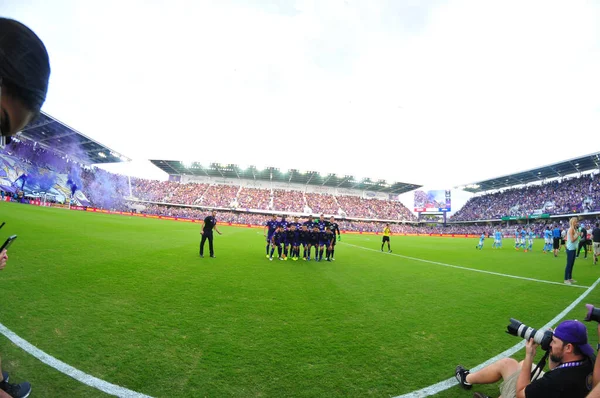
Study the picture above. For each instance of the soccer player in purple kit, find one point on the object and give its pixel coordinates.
(290, 238)
(303, 237)
(329, 239)
(269, 230)
(323, 242)
(309, 223)
(276, 241)
(313, 241)
(322, 223)
(336, 235)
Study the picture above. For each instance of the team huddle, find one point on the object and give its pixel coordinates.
(289, 237)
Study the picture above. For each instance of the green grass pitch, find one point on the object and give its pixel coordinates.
(128, 300)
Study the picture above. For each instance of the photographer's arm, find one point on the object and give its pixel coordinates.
(3, 259)
(596, 374)
(524, 377)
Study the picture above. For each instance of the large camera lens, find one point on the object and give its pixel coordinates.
(517, 328)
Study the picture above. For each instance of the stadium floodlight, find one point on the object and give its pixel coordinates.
(101, 154)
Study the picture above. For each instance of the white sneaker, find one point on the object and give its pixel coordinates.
(270, 258)
(568, 282)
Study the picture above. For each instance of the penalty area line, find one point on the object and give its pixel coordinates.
(468, 269)
(62, 367)
(444, 385)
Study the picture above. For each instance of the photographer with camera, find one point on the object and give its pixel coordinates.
(571, 365)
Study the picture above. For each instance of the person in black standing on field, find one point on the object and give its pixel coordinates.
(582, 241)
(209, 223)
(596, 242)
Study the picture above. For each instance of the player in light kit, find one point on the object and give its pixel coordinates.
(481, 239)
(530, 238)
(499, 239)
(522, 238)
(547, 240)
(517, 238)
(336, 235)
(496, 243)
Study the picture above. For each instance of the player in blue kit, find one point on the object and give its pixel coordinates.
(303, 237)
(522, 239)
(269, 230)
(547, 240)
(276, 241)
(496, 243)
(530, 238)
(517, 238)
(499, 245)
(481, 239)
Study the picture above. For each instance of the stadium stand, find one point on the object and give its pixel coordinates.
(33, 170)
(571, 195)
(290, 201)
(255, 198)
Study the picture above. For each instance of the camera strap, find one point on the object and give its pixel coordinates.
(540, 366)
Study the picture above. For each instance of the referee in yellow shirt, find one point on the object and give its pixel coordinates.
(386, 237)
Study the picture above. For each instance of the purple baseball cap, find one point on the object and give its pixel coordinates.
(574, 332)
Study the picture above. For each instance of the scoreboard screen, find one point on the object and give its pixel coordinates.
(432, 201)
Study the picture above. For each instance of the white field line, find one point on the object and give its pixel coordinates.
(467, 268)
(444, 385)
(68, 369)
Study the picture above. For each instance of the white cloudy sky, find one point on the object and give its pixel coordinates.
(433, 92)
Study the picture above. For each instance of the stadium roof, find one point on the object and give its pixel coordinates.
(556, 170)
(53, 134)
(175, 167)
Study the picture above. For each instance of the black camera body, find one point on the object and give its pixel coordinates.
(517, 328)
(593, 313)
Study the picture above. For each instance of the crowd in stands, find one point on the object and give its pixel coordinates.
(220, 196)
(240, 217)
(254, 198)
(321, 203)
(292, 201)
(107, 190)
(556, 197)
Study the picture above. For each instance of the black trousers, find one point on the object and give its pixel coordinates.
(582, 245)
(207, 235)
